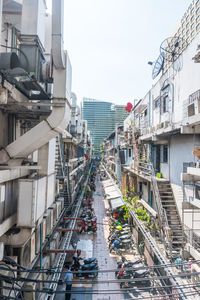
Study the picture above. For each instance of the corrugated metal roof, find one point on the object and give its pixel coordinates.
(107, 183)
(112, 195)
(140, 108)
(117, 202)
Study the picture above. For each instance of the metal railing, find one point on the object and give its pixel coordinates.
(146, 168)
(194, 96)
(162, 216)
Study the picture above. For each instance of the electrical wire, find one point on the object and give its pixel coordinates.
(103, 281)
(111, 270)
(111, 292)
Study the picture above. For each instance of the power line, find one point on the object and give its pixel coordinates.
(108, 270)
(108, 292)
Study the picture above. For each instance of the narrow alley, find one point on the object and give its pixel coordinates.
(101, 250)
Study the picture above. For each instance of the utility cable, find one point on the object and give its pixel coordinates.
(46, 290)
(52, 270)
(104, 281)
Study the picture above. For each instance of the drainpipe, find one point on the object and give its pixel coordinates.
(38, 136)
(57, 34)
(1, 7)
(41, 234)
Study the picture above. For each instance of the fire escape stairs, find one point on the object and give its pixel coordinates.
(62, 171)
(168, 203)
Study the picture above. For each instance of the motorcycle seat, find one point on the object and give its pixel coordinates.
(88, 267)
(141, 273)
(89, 260)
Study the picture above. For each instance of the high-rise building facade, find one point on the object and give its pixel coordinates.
(101, 117)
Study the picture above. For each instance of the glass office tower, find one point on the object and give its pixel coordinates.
(101, 117)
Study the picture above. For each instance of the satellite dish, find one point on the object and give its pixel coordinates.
(171, 48)
(158, 66)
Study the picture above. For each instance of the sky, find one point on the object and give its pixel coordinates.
(111, 41)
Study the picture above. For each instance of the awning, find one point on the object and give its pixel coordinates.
(113, 195)
(110, 189)
(107, 183)
(117, 202)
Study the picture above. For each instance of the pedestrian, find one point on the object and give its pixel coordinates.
(68, 280)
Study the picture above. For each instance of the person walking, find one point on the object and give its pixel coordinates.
(68, 280)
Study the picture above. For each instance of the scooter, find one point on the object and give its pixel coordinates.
(90, 264)
(92, 225)
(90, 260)
(88, 267)
(143, 274)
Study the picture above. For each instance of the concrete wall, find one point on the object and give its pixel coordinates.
(180, 151)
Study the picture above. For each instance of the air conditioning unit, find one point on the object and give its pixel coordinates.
(31, 201)
(38, 235)
(59, 208)
(32, 286)
(53, 207)
(61, 200)
(45, 265)
(56, 238)
(52, 255)
(2, 202)
(193, 108)
(6, 292)
(48, 216)
(27, 252)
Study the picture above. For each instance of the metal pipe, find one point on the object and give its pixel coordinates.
(57, 34)
(37, 136)
(66, 230)
(59, 251)
(41, 234)
(68, 218)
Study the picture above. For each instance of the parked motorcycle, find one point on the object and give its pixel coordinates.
(90, 265)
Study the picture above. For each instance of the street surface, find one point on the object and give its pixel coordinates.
(96, 246)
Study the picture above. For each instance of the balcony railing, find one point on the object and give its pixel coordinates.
(194, 96)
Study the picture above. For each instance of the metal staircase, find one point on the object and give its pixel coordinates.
(62, 171)
(172, 214)
(168, 216)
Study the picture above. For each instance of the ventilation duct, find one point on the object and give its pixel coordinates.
(9, 60)
(57, 34)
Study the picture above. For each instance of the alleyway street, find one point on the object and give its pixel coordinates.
(106, 260)
(101, 251)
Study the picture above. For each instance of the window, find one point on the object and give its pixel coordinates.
(197, 11)
(192, 19)
(187, 32)
(187, 25)
(192, 26)
(165, 153)
(145, 112)
(192, 10)
(192, 33)
(129, 152)
(156, 103)
(198, 26)
(197, 3)
(179, 30)
(165, 104)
